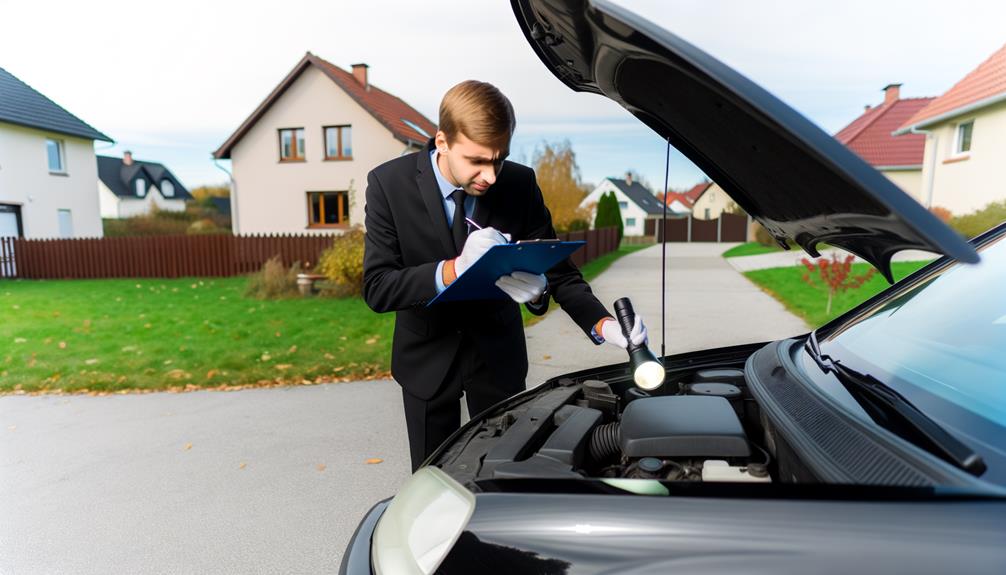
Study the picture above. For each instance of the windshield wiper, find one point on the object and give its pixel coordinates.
(896, 414)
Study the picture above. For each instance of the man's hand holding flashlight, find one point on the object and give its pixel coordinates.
(612, 333)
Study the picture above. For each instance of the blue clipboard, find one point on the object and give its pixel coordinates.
(479, 281)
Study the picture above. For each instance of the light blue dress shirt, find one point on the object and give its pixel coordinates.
(446, 189)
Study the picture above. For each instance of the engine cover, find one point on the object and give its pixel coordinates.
(682, 426)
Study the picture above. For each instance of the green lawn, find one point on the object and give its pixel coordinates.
(750, 249)
(787, 286)
(105, 335)
(154, 334)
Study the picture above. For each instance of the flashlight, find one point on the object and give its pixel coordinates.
(647, 372)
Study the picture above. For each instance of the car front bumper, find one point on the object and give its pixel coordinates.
(356, 560)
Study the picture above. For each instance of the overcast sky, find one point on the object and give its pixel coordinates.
(172, 80)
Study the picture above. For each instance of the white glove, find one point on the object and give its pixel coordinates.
(478, 243)
(522, 287)
(611, 331)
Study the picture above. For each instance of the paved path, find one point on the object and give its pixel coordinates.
(708, 305)
(111, 485)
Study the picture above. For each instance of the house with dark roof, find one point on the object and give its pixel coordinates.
(47, 167)
(871, 136)
(640, 209)
(964, 131)
(300, 160)
(128, 187)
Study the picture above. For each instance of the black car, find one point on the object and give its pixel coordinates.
(876, 443)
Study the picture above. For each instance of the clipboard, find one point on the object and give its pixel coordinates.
(479, 281)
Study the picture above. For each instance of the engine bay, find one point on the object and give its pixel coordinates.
(702, 425)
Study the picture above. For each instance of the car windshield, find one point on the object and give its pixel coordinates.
(944, 339)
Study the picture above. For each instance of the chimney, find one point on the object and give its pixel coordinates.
(127, 158)
(360, 73)
(866, 108)
(892, 92)
(628, 178)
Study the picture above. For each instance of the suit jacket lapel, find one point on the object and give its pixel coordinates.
(430, 192)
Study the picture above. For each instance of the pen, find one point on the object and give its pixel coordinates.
(472, 222)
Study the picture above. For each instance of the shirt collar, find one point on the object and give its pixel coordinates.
(446, 188)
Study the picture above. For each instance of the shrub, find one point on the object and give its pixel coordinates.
(342, 264)
(973, 224)
(274, 280)
(942, 213)
(577, 225)
(205, 226)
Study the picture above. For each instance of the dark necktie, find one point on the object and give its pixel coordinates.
(458, 225)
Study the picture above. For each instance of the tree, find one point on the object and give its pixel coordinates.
(608, 215)
(834, 275)
(203, 192)
(559, 179)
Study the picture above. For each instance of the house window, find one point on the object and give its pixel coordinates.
(707, 214)
(338, 143)
(65, 224)
(630, 222)
(291, 145)
(964, 137)
(327, 209)
(167, 189)
(141, 187)
(54, 153)
(623, 205)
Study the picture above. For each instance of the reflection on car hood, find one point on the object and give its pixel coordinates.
(796, 180)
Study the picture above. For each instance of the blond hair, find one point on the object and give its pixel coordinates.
(479, 111)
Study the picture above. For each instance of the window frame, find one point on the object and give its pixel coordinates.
(339, 147)
(623, 205)
(630, 222)
(60, 153)
(342, 205)
(298, 154)
(958, 128)
(171, 185)
(137, 189)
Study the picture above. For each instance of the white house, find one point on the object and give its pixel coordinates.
(300, 161)
(129, 187)
(640, 209)
(965, 140)
(47, 167)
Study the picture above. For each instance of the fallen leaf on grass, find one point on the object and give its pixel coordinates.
(329, 356)
(62, 345)
(211, 373)
(265, 357)
(321, 467)
(374, 461)
(293, 349)
(178, 374)
(188, 446)
(371, 341)
(91, 361)
(283, 366)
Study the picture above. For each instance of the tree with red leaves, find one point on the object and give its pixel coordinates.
(834, 274)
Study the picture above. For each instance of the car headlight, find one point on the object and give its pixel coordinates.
(421, 524)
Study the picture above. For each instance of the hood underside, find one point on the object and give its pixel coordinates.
(793, 178)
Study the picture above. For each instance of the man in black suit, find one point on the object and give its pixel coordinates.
(418, 242)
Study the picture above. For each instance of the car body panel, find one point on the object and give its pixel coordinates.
(796, 180)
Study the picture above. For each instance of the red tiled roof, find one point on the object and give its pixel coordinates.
(389, 110)
(869, 135)
(671, 196)
(986, 81)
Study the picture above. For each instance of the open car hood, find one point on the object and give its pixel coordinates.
(796, 180)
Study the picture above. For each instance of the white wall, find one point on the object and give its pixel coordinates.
(113, 206)
(965, 185)
(910, 181)
(270, 196)
(630, 211)
(25, 181)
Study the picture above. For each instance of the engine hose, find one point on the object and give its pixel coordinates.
(604, 441)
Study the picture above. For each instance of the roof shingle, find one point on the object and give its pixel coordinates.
(869, 135)
(641, 196)
(986, 81)
(23, 105)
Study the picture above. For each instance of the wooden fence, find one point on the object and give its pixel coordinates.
(726, 228)
(193, 256)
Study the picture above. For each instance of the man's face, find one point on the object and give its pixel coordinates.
(468, 165)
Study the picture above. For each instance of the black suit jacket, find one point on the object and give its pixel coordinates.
(408, 235)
